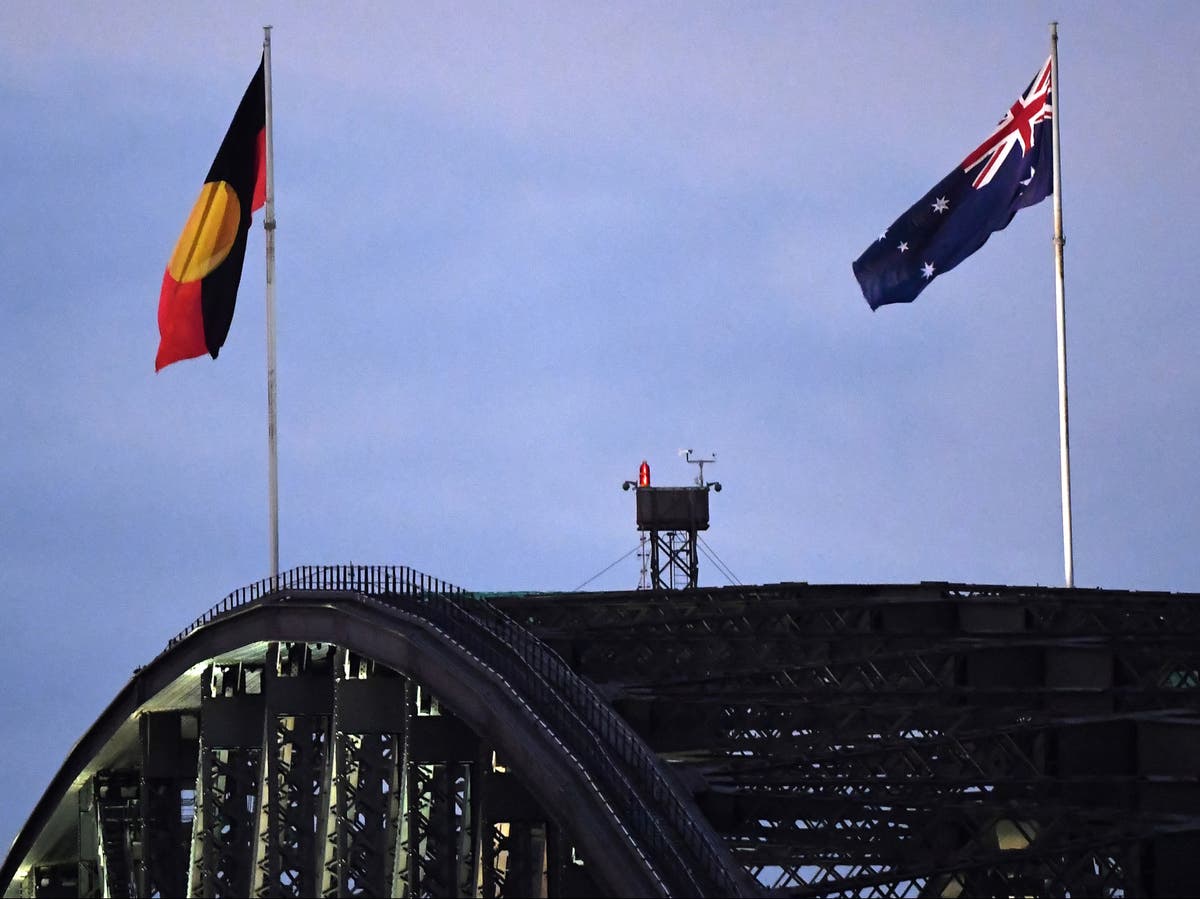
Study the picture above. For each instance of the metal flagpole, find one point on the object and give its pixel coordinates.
(1064, 445)
(269, 227)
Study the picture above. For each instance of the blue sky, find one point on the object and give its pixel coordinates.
(522, 247)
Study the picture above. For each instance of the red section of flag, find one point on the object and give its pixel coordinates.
(199, 289)
(180, 322)
(260, 183)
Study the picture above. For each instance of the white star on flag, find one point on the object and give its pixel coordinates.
(903, 248)
(941, 205)
(927, 271)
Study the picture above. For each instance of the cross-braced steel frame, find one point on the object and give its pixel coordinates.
(919, 740)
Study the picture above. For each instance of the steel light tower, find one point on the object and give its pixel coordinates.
(673, 517)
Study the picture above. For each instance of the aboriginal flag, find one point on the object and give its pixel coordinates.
(200, 284)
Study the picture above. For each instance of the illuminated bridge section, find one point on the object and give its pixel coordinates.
(363, 731)
(370, 731)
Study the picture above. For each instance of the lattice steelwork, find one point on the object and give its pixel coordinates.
(165, 840)
(518, 859)
(225, 820)
(298, 707)
(119, 826)
(296, 795)
(398, 812)
(928, 740)
(915, 741)
(438, 844)
(362, 848)
(674, 564)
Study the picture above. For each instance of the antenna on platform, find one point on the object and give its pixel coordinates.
(670, 519)
(699, 482)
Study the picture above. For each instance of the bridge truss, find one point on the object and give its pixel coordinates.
(370, 731)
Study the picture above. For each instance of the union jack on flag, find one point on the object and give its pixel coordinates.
(979, 197)
(1015, 128)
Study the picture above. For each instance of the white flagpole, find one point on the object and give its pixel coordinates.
(269, 227)
(1064, 445)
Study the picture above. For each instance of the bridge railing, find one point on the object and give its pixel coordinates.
(368, 579)
(632, 774)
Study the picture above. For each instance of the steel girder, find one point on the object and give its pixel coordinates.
(918, 740)
(921, 740)
(370, 767)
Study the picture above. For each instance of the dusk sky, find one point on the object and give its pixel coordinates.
(522, 247)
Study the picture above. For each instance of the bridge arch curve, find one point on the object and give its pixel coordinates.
(582, 765)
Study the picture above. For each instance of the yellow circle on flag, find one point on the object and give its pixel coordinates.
(209, 233)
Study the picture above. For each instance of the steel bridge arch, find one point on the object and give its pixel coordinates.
(635, 825)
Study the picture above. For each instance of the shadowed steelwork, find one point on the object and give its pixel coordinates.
(924, 740)
(369, 731)
(392, 742)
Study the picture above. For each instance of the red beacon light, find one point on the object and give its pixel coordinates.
(643, 477)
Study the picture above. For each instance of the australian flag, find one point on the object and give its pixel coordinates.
(1010, 170)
